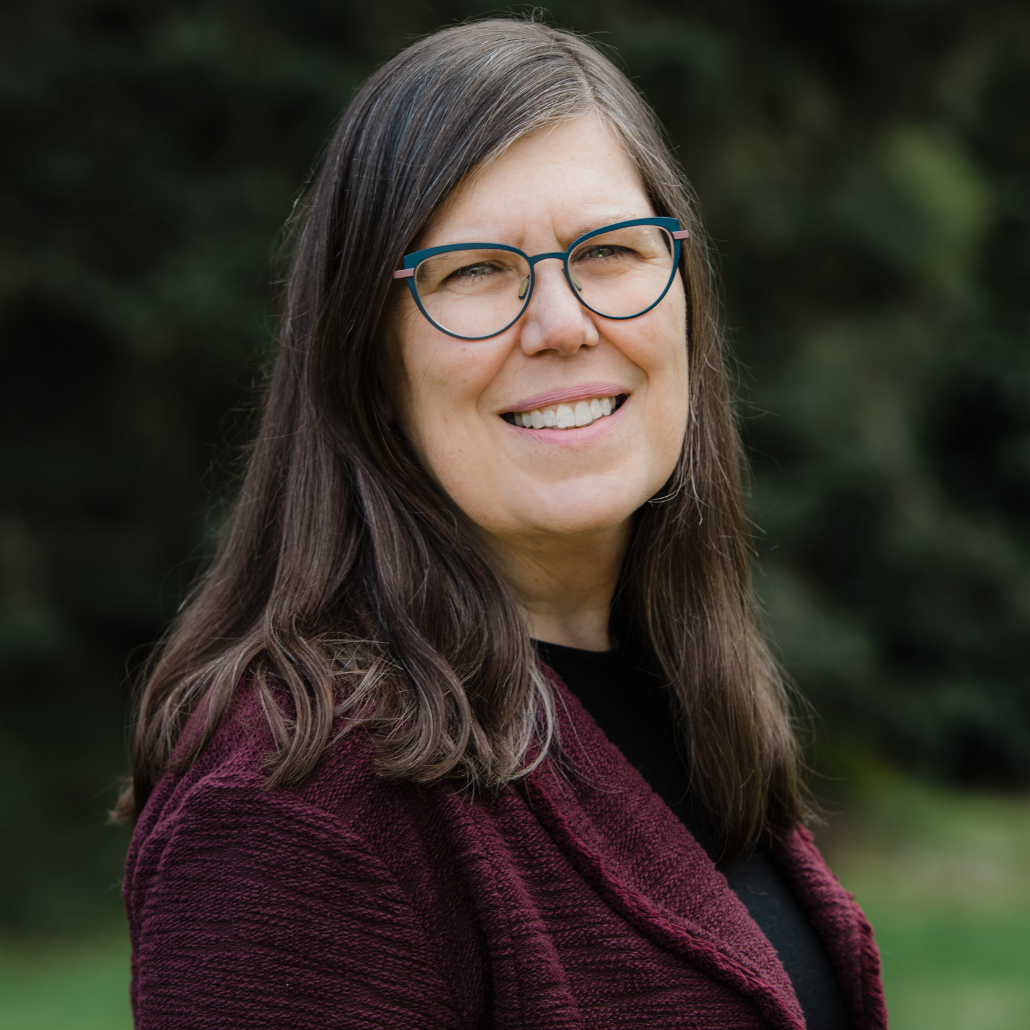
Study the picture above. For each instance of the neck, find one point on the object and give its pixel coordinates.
(564, 584)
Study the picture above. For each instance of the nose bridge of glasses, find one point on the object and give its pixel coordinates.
(556, 254)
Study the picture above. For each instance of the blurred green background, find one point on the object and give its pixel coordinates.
(864, 168)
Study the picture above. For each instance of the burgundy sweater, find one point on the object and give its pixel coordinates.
(573, 899)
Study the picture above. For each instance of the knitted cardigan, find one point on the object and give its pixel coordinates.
(572, 899)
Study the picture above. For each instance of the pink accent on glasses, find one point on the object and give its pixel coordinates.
(681, 234)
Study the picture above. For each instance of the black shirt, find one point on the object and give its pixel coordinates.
(628, 703)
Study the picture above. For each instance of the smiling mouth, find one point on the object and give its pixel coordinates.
(566, 416)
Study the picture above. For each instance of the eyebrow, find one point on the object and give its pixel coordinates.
(583, 228)
(594, 223)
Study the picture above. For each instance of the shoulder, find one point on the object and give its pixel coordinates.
(217, 824)
(343, 832)
(320, 887)
(223, 847)
(221, 804)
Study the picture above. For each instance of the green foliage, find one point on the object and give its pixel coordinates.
(863, 166)
(74, 985)
(943, 877)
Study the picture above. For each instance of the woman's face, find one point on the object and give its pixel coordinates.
(519, 483)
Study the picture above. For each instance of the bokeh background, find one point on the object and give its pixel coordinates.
(864, 169)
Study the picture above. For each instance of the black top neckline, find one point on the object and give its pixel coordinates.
(633, 710)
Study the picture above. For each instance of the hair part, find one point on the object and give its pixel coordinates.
(350, 591)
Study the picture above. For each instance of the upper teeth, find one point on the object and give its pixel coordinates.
(566, 416)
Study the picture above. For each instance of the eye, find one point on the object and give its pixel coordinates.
(604, 250)
(603, 253)
(477, 271)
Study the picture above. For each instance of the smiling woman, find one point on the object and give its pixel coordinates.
(553, 500)
(470, 724)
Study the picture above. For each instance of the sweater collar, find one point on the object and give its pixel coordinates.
(625, 840)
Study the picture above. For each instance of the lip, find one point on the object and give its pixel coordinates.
(566, 396)
(580, 434)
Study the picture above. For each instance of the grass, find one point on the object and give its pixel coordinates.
(945, 880)
(943, 876)
(65, 985)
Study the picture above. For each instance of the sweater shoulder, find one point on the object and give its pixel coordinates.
(344, 809)
(344, 874)
(230, 774)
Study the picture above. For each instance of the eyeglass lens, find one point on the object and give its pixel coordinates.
(476, 293)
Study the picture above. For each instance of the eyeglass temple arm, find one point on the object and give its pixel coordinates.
(681, 234)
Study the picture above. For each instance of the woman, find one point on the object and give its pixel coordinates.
(470, 724)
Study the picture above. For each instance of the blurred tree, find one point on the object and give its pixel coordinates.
(865, 169)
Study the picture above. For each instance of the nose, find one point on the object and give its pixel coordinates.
(555, 319)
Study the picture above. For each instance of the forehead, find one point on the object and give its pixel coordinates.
(558, 183)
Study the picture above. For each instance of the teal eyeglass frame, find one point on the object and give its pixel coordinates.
(413, 260)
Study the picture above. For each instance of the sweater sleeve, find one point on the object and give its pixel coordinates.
(252, 909)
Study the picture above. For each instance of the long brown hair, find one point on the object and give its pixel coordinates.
(349, 591)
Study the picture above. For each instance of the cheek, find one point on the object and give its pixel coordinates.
(444, 387)
(660, 350)
(662, 354)
(440, 382)
(415, 369)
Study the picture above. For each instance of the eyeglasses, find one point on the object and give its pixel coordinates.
(474, 291)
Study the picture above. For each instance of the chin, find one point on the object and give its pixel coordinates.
(578, 515)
